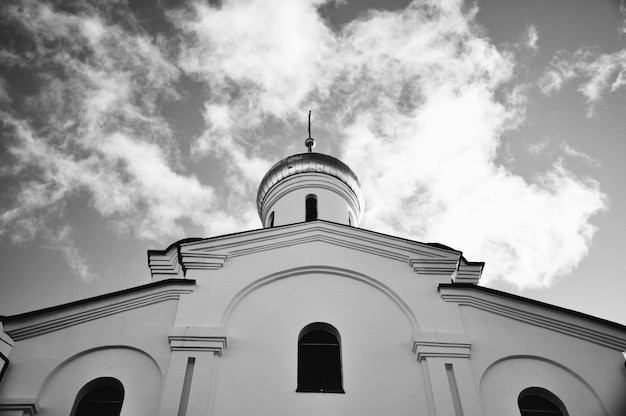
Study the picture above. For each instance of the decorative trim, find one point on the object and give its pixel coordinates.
(27, 406)
(327, 270)
(503, 304)
(19, 332)
(202, 261)
(208, 339)
(468, 272)
(441, 345)
(435, 266)
(166, 263)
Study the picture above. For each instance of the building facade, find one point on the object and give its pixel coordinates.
(311, 315)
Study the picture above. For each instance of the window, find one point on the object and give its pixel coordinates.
(319, 359)
(311, 207)
(535, 401)
(271, 222)
(100, 397)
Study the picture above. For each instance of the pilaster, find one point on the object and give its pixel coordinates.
(188, 387)
(444, 358)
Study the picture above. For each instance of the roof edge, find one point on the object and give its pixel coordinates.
(535, 302)
(56, 308)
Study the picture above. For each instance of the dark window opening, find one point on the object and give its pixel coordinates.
(100, 397)
(271, 222)
(319, 359)
(536, 401)
(311, 208)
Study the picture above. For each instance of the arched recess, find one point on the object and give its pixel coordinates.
(504, 380)
(326, 270)
(136, 370)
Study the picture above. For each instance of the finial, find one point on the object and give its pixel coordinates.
(310, 142)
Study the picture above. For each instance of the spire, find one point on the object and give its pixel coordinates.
(310, 142)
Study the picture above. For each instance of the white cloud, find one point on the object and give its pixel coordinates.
(413, 95)
(569, 150)
(93, 126)
(532, 37)
(63, 241)
(596, 74)
(410, 96)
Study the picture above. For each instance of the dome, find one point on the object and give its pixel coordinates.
(309, 163)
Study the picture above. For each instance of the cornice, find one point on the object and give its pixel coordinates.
(37, 323)
(544, 315)
(28, 406)
(208, 339)
(441, 345)
(212, 253)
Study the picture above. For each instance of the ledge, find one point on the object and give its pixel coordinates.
(193, 338)
(27, 406)
(441, 345)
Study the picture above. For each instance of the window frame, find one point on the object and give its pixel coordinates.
(545, 394)
(311, 213)
(95, 384)
(302, 385)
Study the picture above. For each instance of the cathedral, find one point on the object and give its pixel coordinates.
(310, 315)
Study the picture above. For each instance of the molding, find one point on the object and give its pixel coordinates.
(327, 270)
(468, 272)
(27, 406)
(441, 345)
(43, 324)
(209, 339)
(435, 266)
(543, 316)
(212, 253)
(202, 261)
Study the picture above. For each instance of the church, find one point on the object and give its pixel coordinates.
(310, 315)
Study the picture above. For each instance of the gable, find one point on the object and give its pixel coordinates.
(212, 253)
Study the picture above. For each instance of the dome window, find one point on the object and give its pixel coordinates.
(311, 207)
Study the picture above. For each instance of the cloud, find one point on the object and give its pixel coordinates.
(91, 124)
(417, 101)
(580, 155)
(597, 75)
(532, 37)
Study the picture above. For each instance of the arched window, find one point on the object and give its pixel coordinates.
(535, 401)
(319, 359)
(311, 207)
(100, 397)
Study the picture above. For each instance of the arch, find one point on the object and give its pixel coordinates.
(327, 270)
(310, 207)
(135, 369)
(537, 401)
(505, 379)
(319, 359)
(102, 396)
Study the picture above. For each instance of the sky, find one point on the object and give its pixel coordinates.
(495, 127)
